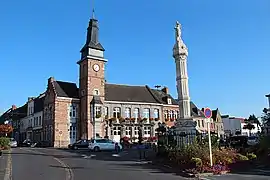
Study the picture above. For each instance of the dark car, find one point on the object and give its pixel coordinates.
(238, 141)
(27, 143)
(81, 144)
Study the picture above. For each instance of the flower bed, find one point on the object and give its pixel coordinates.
(195, 159)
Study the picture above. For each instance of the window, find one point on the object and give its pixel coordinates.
(128, 131)
(127, 112)
(106, 111)
(147, 130)
(73, 111)
(156, 113)
(146, 113)
(72, 132)
(166, 114)
(40, 120)
(199, 123)
(96, 92)
(116, 112)
(202, 123)
(117, 130)
(97, 111)
(136, 130)
(84, 70)
(171, 115)
(175, 114)
(169, 101)
(136, 113)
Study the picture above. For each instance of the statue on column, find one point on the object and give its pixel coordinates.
(179, 44)
(178, 31)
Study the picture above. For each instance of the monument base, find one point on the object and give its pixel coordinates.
(187, 125)
(185, 131)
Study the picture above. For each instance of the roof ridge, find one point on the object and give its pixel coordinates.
(66, 82)
(154, 96)
(125, 85)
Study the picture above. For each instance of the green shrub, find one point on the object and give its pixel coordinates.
(4, 142)
(251, 156)
(241, 157)
(197, 162)
(224, 156)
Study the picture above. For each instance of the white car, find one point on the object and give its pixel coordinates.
(13, 143)
(104, 145)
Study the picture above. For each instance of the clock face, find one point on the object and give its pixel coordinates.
(96, 67)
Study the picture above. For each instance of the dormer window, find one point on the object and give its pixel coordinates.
(96, 92)
(169, 101)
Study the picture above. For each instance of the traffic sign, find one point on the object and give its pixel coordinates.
(207, 112)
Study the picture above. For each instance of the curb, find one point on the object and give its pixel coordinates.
(189, 175)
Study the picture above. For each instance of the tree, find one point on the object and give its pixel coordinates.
(5, 129)
(249, 126)
(266, 116)
(254, 120)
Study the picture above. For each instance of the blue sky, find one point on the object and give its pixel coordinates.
(228, 43)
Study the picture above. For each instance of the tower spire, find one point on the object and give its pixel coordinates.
(93, 9)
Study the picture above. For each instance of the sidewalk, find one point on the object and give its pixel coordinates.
(3, 164)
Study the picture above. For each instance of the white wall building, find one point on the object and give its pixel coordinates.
(231, 124)
(253, 132)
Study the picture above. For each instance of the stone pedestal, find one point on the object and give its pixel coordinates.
(185, 130)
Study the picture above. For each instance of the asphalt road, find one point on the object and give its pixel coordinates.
(53, 164)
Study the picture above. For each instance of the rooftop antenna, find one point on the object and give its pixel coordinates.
(157, 86)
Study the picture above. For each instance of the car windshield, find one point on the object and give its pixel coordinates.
(252, 138)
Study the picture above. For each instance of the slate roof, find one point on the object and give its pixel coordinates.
(66, 89)
(126, 93)
(18, 113)
(38, 104)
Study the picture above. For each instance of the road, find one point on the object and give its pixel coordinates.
(54, 164)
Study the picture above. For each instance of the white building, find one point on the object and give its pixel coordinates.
(231, 124)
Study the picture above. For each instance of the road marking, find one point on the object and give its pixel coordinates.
(69, 172)
(8, 173)
(88, 157)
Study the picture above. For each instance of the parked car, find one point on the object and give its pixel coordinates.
(13, 143)
(104, 145)
(79, 144)
(252, 140)
(238, 141)
(27, 143)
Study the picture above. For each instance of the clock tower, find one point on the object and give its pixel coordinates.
(91, 83)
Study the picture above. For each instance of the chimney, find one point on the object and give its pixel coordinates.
(13, 107)
(51, 79)
(165, 90)
(30, 99)
(268, 96)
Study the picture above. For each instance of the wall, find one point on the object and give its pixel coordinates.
(231, 125)
(253, 131)
(63, 121)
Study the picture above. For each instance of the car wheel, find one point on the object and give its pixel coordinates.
(96, 149)
(75, 147)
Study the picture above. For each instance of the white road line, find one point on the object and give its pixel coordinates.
(8, 173)
(69, 173)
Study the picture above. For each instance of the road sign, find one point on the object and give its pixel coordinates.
(207, 112)
(208, 115)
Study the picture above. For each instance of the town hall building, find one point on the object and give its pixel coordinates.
(95, 108)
